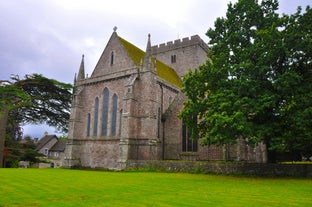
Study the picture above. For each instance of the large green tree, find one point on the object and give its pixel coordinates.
(258, 81)
(34, 99)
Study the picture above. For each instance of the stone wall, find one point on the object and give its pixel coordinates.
(102, 153)
(121, 59)
(87, 102)
(172, 128)
(226, 168)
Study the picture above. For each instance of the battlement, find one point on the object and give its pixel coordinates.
(178, 43)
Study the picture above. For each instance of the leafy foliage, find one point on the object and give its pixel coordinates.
(21, 151)
(35, 99)
(257, 83)
(12, 97)
(49, 102)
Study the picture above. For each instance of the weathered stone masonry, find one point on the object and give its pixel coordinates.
(126, 111)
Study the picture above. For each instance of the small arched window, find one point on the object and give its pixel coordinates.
(112, 58)
(88, 124)
(173, 58)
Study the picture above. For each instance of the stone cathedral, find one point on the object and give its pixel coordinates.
(126, 111)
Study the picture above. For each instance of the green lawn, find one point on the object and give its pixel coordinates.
(60, 187)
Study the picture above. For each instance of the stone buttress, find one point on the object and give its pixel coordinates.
(72, 150)
(139, 132)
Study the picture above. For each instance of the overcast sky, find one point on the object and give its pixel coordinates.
(49, 36)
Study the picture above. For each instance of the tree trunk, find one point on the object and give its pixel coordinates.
(3, 123)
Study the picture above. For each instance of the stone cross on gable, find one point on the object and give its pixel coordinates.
(115, 29)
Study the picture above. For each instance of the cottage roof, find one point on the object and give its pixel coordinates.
(44, 140)
(163, 71)
(59, 146)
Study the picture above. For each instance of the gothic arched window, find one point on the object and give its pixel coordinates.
(158, 122)
(120, 122)
(188, 145)
(105, 112)
(114, 115)
(96, 116)
(88, 124)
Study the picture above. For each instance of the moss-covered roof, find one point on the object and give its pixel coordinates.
(163, 71)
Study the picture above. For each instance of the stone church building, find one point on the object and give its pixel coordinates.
(126, 111)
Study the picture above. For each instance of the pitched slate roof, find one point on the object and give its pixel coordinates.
(163, 71)
(44, 140)
(59, 146)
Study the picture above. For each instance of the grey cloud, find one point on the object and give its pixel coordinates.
(42, 37)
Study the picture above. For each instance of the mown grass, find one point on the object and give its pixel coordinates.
(60, 187)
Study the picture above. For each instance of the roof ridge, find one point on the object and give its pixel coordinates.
(128, 44)
(44, 140)
(162, 70)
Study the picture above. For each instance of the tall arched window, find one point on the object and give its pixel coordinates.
(188, 145)
(158, 122)
(96, 116)
(114, 115)
(120, 122)
(105, 112)
(88, 124)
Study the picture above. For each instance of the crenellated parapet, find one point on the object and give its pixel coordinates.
(178, 43)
